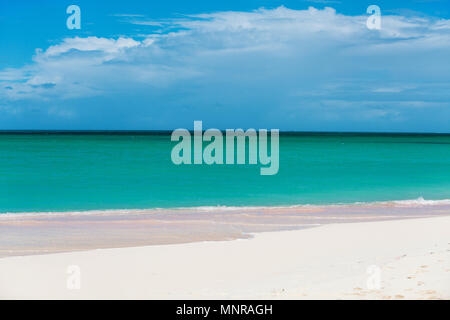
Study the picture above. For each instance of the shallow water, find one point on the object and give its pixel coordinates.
(69, 172)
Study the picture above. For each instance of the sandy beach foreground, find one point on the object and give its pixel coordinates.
(410, 258)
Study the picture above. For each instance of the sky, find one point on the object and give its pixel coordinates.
(291, 65)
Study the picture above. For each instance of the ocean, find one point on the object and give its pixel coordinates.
(49, 171)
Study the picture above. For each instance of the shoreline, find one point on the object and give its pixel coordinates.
(328, 262)
(33, 234)
(382, 203)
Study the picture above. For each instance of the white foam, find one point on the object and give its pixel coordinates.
(419, 202)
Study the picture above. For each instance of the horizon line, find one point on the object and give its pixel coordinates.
(169, 131)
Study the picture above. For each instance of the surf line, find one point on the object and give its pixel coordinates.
(213, 153)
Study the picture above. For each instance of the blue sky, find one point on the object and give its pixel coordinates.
(292, 65)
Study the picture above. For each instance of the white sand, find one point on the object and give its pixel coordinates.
(326, 262)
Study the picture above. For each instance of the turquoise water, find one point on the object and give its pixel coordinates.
(64, 172)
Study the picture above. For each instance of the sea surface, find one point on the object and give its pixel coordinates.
(44, 172)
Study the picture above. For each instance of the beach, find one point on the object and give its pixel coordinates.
(208, 150)
(108, 215)
(393, 259)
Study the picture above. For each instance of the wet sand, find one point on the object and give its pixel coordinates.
(44, 233)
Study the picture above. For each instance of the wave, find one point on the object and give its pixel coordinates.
(422, 202)
(419, 202)
(392, 203)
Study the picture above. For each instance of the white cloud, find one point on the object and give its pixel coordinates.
(107, 46)
(302, 57)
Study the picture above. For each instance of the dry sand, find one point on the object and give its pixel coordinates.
(411, 259)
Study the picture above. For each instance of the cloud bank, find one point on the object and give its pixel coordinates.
(280, 68)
